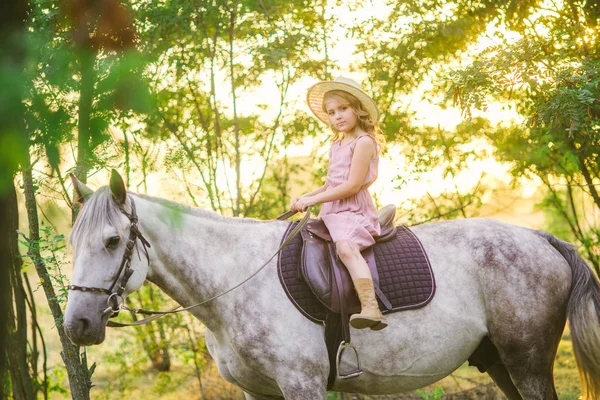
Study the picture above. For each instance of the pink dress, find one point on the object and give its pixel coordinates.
(353, 218)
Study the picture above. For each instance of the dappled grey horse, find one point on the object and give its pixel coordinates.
(514, 285)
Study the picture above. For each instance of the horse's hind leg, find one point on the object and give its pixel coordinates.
(524, 375)
(526, 302)
(529, 359)
(502, 378)
(526, 363)
(534, 385)
(486, 358)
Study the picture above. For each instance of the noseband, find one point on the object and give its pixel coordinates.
(115, 292)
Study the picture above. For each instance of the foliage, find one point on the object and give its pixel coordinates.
(178, 337)
(544, 65)
(554, 85)
(435, 394)
(449, 154)
(127, 362)
(59, 67)
(52, 249)
(155, 337)
(404, 48)
(56, 377)
(219, 54)
(75, 72)
(407, 48)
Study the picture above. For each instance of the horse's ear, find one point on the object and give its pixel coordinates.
(117, 187)
(82, 192)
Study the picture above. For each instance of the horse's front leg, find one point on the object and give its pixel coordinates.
(297, 393)
(303, 386)
(293, 392)
(256, 397)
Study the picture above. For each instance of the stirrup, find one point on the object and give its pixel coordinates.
(353, 373)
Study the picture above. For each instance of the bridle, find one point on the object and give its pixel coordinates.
(115, 292)
(115, 301)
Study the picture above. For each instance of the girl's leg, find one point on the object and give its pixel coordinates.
(370, 315)
(353, 260)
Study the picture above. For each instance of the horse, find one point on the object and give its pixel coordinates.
(513, 285)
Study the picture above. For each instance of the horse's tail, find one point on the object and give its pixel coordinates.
(583, 312)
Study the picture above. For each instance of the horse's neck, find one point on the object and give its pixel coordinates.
(195, 256)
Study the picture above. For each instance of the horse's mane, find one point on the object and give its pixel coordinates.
(100, 209)
(197, 211)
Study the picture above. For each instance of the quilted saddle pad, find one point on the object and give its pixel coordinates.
(405, 275)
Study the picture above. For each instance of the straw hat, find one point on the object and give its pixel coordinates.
(317, 92)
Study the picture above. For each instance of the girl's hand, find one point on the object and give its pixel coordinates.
(293, 204)
(302, 203)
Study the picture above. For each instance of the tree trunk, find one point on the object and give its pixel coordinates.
(22, 381)
(12, 27)
(87, 59)
(77, 370)
(236, 125)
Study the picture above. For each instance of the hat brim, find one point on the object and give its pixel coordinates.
(317, 92)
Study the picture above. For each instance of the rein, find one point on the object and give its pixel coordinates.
(115, 301)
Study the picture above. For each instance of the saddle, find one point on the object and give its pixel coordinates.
(321, 288)
(326, 275)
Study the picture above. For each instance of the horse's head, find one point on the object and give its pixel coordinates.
(102, 260)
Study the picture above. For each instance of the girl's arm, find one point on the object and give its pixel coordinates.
(363, 153)
(316, 191)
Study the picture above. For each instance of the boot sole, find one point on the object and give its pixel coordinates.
(379, 326)
(364, 322)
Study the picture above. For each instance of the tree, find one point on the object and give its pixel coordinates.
(99, 31)
(221, 50)
(552, 81)
(548, 76)
(401, 50)
(12, 28)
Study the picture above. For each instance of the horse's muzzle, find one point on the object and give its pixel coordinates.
(83, 332)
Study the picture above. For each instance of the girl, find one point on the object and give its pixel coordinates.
(348, 210)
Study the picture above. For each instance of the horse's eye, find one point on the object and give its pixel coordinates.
(113, 242)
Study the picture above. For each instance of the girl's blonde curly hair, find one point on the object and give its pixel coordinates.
(364, 121)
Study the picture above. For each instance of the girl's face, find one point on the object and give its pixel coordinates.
(341, 115)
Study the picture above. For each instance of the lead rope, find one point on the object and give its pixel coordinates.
(158, 314)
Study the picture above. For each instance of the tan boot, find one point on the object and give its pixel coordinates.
(370, 316)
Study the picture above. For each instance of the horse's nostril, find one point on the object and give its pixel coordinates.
(83, 331)
(81, 327)
(85, 324)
